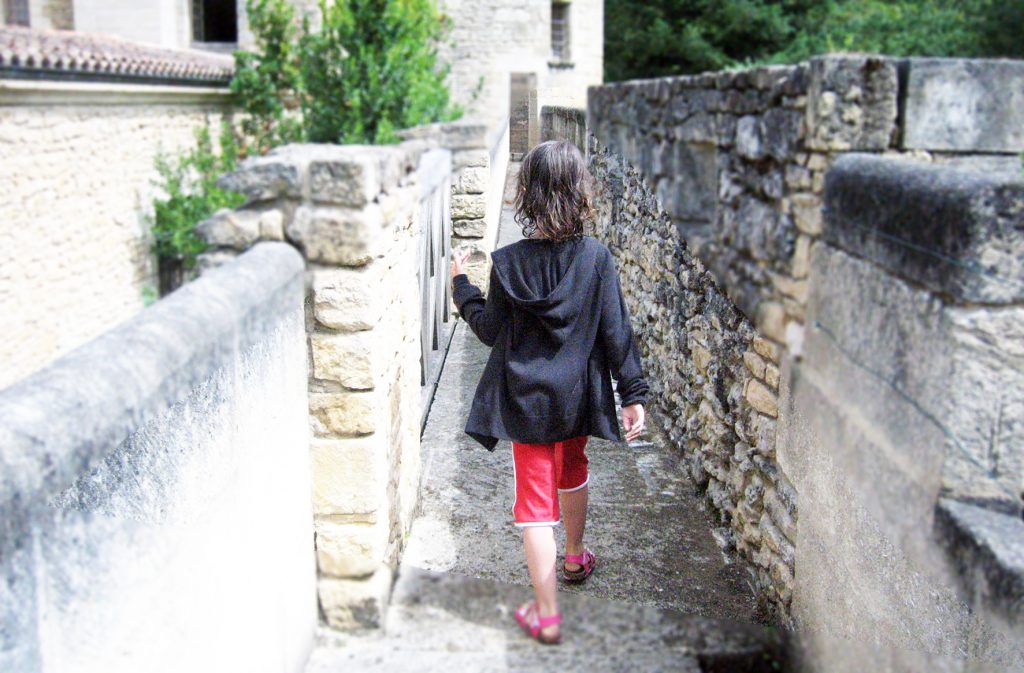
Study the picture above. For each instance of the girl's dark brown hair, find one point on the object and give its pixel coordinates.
(554, 194)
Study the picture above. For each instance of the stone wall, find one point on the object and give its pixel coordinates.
(713, 380)
(738, 161)
(76, 175)
(353, 212)
(480, 156)
(900, 425)
(564, 123)
(155, 508)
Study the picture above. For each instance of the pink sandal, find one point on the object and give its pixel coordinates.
(531, 622)
(587, 562)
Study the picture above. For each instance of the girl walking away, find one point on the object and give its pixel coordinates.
(559, 329)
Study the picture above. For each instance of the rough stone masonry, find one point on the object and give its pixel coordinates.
(738, 162)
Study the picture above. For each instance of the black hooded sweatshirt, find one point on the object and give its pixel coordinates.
(558, 327)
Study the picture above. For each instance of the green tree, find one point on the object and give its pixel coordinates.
(673, 37)
(372, 69)
(667, 37)
(266, 84)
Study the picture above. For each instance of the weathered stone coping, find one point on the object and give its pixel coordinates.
(988, 548)
(63, 420)
(957, 232)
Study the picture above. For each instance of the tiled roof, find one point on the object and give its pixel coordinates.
(69, 54)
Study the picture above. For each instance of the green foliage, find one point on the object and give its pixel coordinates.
(267, 81)
(370, 69)
(650, 38)
(191, 195)
(884, 27)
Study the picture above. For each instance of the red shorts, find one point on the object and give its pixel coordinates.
(541, 472)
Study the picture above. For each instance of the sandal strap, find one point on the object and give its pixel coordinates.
(550, 619)
(581, 559)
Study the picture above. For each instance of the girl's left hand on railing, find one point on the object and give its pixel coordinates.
(459, 257)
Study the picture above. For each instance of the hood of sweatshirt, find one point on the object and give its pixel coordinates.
(551, 282)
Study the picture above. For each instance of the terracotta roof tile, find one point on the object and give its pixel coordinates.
(63, 52)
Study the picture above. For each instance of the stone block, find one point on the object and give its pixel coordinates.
(472, 180)
(337, 235)
(470, 158)
(771, 320)
(761, 398)
(766, 349)
(349, 476)
(749, 143)
(964, 105)
(356, 604)
(800, 265)
(468, 206)
(852, 102)
(701, 357)
(986, 547)
(797, 177)
(350, 549)
(754, 363)
(771, 376)
(271, 225)
(348, 298)
(351, 179)
(470, 228)
(957, 233)
(343, 414)
(781, 132)
(265, 178)
(347, 359)
(691, 194)
(237, 229)
(806, 212)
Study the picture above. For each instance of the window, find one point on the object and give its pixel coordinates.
(560, 32)
(17, 13)
(214, 21)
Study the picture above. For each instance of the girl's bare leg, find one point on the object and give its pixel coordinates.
(574, 516)
(540, 559)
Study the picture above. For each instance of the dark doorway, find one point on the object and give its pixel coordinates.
(523, 120)
(214, 21)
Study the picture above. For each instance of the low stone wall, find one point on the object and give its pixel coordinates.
(738, 159)
(480, 156)
(77, 178)
(355, 214)
(564, 123)
(900, 425)
(713, 380)
(155, 506)
(738, 162)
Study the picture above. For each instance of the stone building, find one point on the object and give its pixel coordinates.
(91, 91)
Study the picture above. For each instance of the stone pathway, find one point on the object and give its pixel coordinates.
(662, 598)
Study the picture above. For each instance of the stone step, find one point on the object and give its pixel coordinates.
(441, 621)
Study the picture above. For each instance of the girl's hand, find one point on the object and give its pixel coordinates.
(633, 421)
(459, 258)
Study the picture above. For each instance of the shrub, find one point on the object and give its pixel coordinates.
(266, 82)
(373, 69)
(370, 69)
(191, 195)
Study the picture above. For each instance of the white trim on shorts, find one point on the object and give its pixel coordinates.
(572, 490)
(535, 524)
